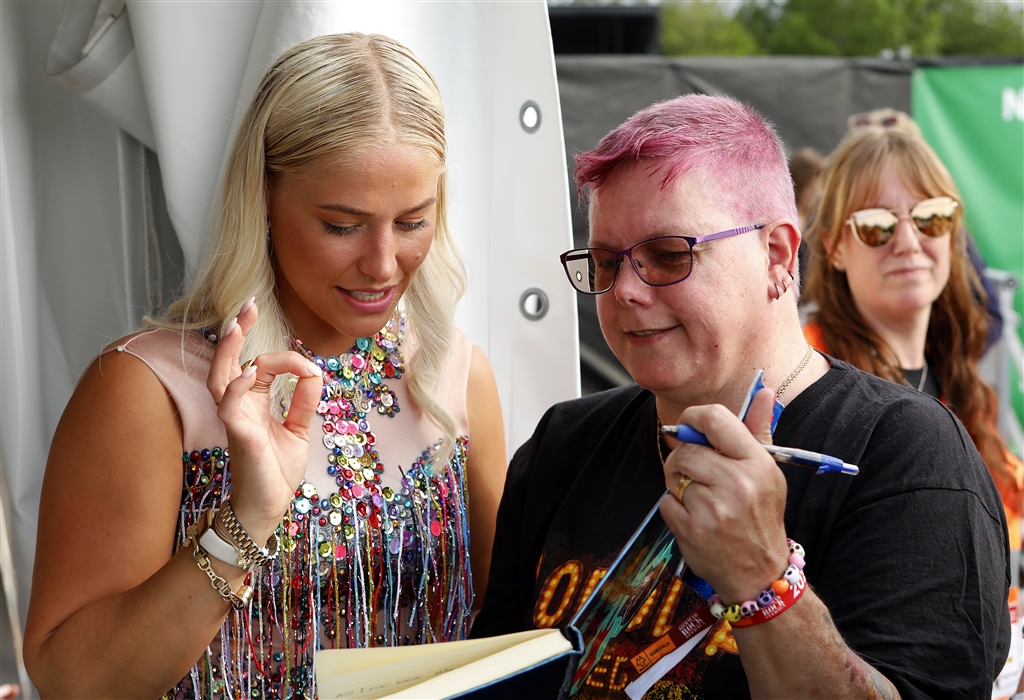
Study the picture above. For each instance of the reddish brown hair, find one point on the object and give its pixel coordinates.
(957, 326)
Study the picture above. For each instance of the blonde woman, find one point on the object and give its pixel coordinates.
(303, 452)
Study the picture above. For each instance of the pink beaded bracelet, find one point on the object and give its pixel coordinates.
(771, 601)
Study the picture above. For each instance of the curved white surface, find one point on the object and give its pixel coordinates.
(192, 56)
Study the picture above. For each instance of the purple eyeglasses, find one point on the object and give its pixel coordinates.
(659, 262)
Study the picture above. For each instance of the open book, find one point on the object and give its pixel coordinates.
(544, 663)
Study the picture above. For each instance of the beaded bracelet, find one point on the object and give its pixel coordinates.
(770, 602)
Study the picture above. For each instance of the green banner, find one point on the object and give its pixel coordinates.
(974, 119)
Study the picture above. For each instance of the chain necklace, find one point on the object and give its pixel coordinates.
(658, 437)
(781, 390)
(796, 373)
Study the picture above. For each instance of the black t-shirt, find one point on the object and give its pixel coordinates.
(910, 556)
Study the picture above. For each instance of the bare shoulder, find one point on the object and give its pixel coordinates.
(119, 407)
(109, 502)
(119, 395)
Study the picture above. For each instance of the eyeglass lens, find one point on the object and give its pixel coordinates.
(658, 262)
(932, 217)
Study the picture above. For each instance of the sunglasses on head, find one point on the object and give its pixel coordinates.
(865, 119)
(932, 217)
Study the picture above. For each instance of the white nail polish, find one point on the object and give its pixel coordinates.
(230, 328)
(251, 370)
(246, 305)
(315, 369)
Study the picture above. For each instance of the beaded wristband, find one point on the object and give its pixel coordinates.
(770, 602)
(778, 606)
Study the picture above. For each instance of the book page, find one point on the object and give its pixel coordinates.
(338, 662)
(374, 673)
(549, 644)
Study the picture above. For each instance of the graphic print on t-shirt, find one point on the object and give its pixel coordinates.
(564, 587)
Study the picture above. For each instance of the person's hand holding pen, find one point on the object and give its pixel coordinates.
(728, 518)
(822, 464)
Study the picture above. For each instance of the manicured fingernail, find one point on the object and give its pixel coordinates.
(230, 328)
(246, 305)
(250, 370)
(315, 370)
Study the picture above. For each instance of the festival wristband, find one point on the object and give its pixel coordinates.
(777, 606)
(771, 601)
(696, 623)
(660, 658)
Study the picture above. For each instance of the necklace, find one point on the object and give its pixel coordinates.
(796, 373)
(781, 390)
(920, 383)
(355, 385)
(659, 441)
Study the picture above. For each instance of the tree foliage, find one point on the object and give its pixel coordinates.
(845, 27)
(700, 28)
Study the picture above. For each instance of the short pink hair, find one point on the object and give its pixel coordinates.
(723, 138)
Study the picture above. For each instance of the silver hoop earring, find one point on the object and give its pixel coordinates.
(778, 294)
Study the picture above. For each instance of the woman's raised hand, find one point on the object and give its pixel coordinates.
(268, 457)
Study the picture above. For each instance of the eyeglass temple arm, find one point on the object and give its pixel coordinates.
(726, 234)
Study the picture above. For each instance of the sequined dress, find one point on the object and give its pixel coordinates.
(375, 544)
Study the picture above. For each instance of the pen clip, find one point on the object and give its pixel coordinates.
(756, 384)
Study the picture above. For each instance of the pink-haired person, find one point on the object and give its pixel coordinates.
(898, 585)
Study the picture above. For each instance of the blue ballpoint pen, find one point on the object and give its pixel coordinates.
(784, 455)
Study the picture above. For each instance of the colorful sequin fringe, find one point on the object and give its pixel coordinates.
(365, 565)
(337, 587)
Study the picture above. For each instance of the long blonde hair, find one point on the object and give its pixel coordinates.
(325, 97)
(957, 326)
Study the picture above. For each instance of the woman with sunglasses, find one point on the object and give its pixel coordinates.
(281, 463)
(896, 293)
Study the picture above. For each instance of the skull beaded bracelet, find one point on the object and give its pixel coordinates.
(770, 602)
